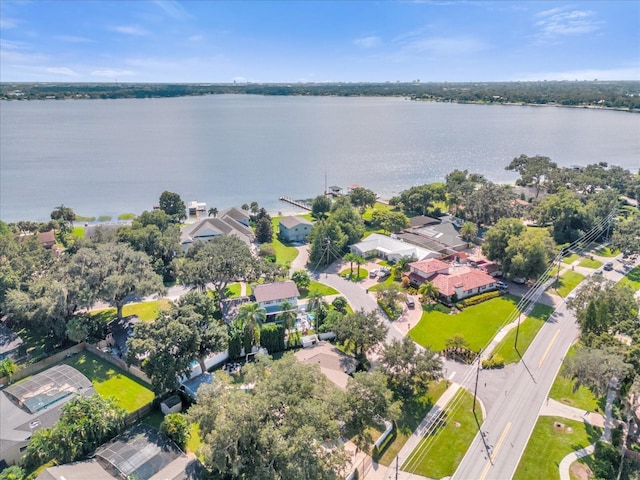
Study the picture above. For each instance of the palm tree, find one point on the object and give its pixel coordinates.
(213, 212)
(314, 300)
(429, 291)
(359, 261)
(468, 231)
(251, 316)
(351, 258)
(287, 315)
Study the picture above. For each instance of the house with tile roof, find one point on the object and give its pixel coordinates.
(453, 280)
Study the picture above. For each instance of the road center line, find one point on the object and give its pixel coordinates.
(495, 450)
(544, 355)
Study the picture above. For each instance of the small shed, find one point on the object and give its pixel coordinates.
(173, 404)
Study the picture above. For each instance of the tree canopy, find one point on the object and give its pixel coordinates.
(172, 205)
(361, 329)
(288, 427)
(532, 170)
(409, 369)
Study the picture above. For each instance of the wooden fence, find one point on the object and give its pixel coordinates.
(56, 358)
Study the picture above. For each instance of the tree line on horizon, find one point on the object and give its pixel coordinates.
(623, 95)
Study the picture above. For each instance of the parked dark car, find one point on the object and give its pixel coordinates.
(608, 266)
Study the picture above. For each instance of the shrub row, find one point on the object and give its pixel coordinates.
(483, 297)
(272, 338)
(391, 314)
(494, 361)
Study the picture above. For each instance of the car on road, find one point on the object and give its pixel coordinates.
(598, 272)
(608, 266)
(373, 273)
(411, 303)
(519, 280)
(502, 285)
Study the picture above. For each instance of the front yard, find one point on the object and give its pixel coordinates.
(552, 439)
(568, 281)
(529, 328)
(477, 324)
(439, 454)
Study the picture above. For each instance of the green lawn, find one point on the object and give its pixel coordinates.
(413, 412)
(564, 390)
(387, 281)
(549, 444)
(632, 278)
(321, 288)
(528, 330)
(78, 231)
(145, 311)
(356, 278)
(568, 281)
(477, 324)
(109, 381)
(439, 454)
(368, 213)
(571, 258)
(127, 216)
(607, 252)
(285, 254)
(588, 263)
(233, 290)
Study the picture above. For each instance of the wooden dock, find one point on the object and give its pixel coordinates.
(304, 206)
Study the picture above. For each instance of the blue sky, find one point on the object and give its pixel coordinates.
(318, 41)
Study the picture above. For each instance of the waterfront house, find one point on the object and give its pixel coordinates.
(232, 221)
(294, 229)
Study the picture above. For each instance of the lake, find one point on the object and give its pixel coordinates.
(107, 157)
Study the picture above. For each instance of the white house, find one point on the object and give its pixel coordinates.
(390, 249)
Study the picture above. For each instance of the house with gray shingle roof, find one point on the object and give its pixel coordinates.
(232, 221)
(271, 296)
(294, 229)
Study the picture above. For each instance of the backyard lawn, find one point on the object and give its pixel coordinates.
(109, 381)
(145, 311)
(477, 324)
(550, 443)
(529, 328)
(568, 281)
(413, 412)
(438, 455)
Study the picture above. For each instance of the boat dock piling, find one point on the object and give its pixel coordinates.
(304, 206)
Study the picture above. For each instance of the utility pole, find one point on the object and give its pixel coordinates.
(475, 388)
(397, 459)
(515, 343)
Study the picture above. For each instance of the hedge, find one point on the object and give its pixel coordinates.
(483, 297)
(235, 346)
(272, 338)
(494, 361)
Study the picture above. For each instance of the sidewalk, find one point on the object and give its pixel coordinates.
(380, 472)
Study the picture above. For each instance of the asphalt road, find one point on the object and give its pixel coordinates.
(513, 414)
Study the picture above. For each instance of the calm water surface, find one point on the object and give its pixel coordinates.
(114, 156)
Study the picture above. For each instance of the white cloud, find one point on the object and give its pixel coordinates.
(130, 30)
(111, 73)
(61, 71)
(562, 22)
(6, 23)
(368, 42)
